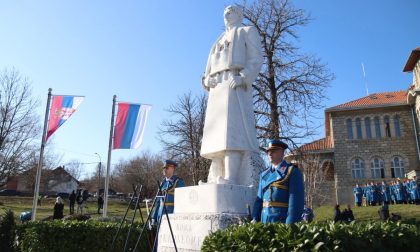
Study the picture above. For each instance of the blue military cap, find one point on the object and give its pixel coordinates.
(276, 144)
(170, 162)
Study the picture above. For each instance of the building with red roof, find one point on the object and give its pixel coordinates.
(373, 138)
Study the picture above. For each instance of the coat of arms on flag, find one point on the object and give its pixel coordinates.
(62, 107)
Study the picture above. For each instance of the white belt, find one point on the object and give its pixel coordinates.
(224, 75)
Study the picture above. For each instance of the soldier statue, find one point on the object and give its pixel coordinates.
(229, 134)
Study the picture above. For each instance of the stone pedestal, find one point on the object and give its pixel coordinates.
(202, 209)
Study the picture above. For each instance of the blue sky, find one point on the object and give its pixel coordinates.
(154, 51)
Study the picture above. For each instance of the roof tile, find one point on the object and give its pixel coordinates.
(373, 100)
(320, 144)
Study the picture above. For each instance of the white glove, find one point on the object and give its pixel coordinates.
(210, 82)
(236, 81)
(253, 221)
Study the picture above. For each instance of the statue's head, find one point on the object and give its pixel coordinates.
(233, 15)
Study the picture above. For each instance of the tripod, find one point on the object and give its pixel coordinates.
(136, 206)
(162, 199)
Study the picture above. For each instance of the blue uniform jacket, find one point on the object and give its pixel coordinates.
(171, 184)
(280, 196)
(376, 196)
(399, 191)
(368, 193)
(393, 192)
(414, 190)
(358, 194)
(407, 195)
(386, 194)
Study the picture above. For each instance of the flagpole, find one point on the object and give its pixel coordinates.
(41, 157)
(108, 165)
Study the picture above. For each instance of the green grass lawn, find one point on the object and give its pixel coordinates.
(324, 213)
(116, 207)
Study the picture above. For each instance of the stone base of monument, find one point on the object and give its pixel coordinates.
(202, 209)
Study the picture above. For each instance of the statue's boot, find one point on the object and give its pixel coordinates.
(233, 161)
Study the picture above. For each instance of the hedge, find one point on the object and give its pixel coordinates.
(327, 236)
(94, 235)
(7, 231)
(75, 236)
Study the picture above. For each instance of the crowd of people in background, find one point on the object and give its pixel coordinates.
(80, 197)
(399, 191)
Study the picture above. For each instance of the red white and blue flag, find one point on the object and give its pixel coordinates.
(62, 107)
(129, 125)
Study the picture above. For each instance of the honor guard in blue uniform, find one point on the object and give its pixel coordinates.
(379, 193)
(368, 194)
(407, 195)
(375, 194)
(358, 195)
(399, 192)
(386, 193)
(280, 196)
(168, 184)
(393, 193)
(415, 190)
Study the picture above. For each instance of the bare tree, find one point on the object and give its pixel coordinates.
(74, 168)
(181, 136)
(291, 84)
(18, 123)
(315, 176)
(146, 170)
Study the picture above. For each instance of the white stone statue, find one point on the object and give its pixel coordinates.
(229, 137)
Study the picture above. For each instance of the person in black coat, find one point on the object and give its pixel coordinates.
(72, 199)
(100, 203)
(79, 200)
(58, 209)
(337, 213)
(347, 215)
(384, 212)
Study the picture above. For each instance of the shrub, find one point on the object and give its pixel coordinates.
(75, 236)
(78, 217)
(7, 231)
(368, 236)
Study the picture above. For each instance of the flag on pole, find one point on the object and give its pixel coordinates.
(62, 107)
(129, 125)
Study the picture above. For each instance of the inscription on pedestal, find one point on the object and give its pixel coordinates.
(188, 234)
(193, 197)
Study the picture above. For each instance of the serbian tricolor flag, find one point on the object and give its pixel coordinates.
(62, 107)
(129, 125)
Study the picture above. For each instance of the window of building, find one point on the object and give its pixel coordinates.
(357, 168)
(387, 128)
(397, 167)
(397, 126)
(377, 168)
(377, 127)
(368, 129)
(359, 128)
(349, 129)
